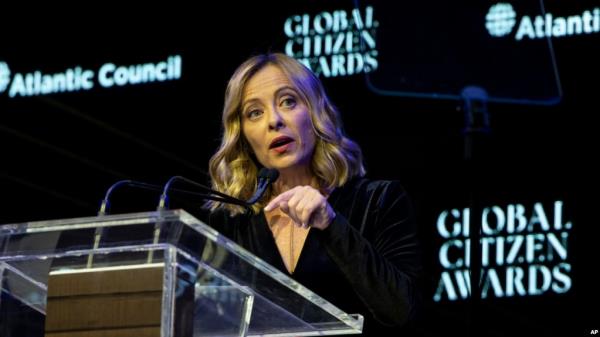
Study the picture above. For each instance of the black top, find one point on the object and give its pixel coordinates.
(366, 261)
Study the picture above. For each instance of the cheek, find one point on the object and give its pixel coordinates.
(306, 129)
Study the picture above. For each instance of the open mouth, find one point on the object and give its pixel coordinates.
(280, 142)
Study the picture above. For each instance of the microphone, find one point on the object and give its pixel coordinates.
(105, 205)
(265, 178)
(211, 195)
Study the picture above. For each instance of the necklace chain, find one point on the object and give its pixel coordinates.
(292, 267)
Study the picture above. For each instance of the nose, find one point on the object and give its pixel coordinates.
(275, 119)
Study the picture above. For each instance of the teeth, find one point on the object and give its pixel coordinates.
(281, 142)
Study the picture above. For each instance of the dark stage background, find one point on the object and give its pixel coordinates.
(61, 151)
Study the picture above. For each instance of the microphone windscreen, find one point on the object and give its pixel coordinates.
(269, 174)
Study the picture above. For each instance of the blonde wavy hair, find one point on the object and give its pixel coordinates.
(233, 168)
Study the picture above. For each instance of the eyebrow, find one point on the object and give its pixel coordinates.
(277, 93)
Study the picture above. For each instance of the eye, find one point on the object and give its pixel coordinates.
(288, 102)
(253, 114)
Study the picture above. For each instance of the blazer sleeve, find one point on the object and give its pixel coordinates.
(384, 268)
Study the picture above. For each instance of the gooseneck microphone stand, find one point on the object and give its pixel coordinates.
(476, 131)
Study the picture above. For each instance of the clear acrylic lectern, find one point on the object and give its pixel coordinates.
(149, 274)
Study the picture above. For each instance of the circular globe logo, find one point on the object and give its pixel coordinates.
(500, 19)
(4, 76)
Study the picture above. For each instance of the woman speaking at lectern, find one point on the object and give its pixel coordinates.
(349, 239)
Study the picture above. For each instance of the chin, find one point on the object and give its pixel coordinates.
(280, 167)
(288, 161)
(283, 164)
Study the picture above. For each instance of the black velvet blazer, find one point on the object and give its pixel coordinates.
(367, 261)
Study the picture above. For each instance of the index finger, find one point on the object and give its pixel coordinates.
(285, 196)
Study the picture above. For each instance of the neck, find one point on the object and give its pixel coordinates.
(292, 177)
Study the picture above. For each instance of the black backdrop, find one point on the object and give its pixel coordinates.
(60, 152)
